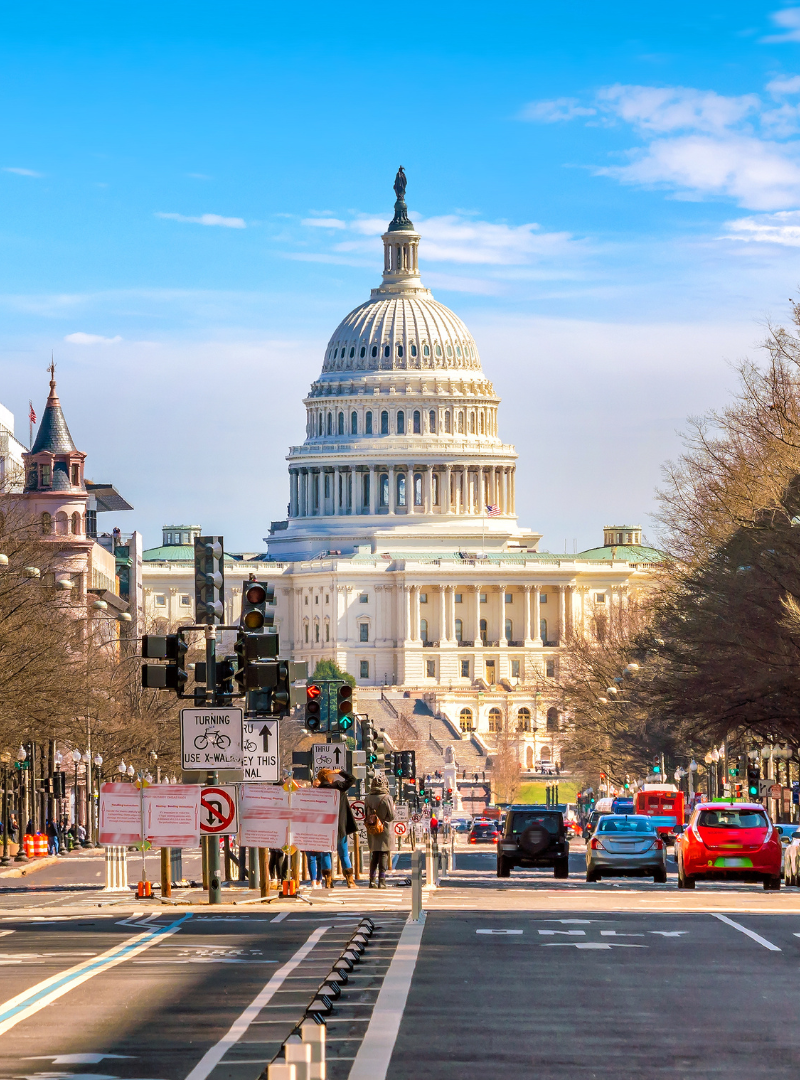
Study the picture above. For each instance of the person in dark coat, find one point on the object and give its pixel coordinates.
(380, 805)
(342, 781)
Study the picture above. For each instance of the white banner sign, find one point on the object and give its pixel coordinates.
(211, 738)
(263, 816)
(171, 815)
(260, 753)
(120, 815)
(315, 819)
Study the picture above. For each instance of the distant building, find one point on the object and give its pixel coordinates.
(12, 470)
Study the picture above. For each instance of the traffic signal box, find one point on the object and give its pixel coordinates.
(368, 746)
(209, 579)
(256, 654)
(344, 707)
(257, 613)
(753, 777)
(380, 751)
(313, 717)
(169, 676)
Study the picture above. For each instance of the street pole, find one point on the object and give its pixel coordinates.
(214, 883)
(6, 859)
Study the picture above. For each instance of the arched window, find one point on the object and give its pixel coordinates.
(340, 426)
(432, 421)
(316, 631)
(384, 490)
(423, 629)
(524, 720)
(76, 524)
(459, 630)
(417, 422)
(495, 720)
(47, 524)
(352, 352)
(482, 423)
(62, 524)
(400, 350)
(472, 423)
(435, 486)
(544, 753)
(543, 629)
(447, 421)
(305, 632)
(384, 423)
(413, 349)
(368, 424)
(450, 351)
(426, 351)
(327, 630)
(330, 423)
(458, 351)
(374, 350)
(438, 349)
(401, 423)
(483, 631)
(460, 421)
(401, 489)
(366, 489)
(417, 489)
(529, 757)
(387, 350)
(363, 352)
(552, 719)
(509, 630)
(465, 720)
(320, 425)
(354, 423)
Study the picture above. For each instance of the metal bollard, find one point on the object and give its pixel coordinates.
(436, 861)
(298, 1053)
(314, 1036)
(416, 884)
(453, 851)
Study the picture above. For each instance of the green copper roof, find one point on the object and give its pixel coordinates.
(174, 553)
(630, 553)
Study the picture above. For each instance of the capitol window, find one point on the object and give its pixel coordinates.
(387, 350)
(483, 629)
(459, 630)
(482, 422)
(186, 600)
(509, 598)
(363, 631)
(341, 423)
(374, 350)
(426, 351)
(435, 485)
(316, 631)
(438, 349)
(509, 630)
(543, 629)
(368, 423)
(401, 489)
(363, 668)
(417, 489)
(524, 720)
(465, 716)
(366, 489)
(161, 601)
(447, 422)
(483, 598)
(401, 423)
(330, 423)
(550, 669)
(305, 632)
(423, 629)
(458, 351)
(320, 425)
(465, 669)
(430, 669)
(552, 720)
(417, 422)
(384, 489)
(543, 598)
(352, 352)
(461, 421)
(400, 350)
(363, 351)
(449, 352)
(495, 721)
(599, 597)
(384, 423)
(413, 350)
(515, 669)
(423, 598)
(327, 485)
(327, 630)
(432, 421)
(354, 423)
(363, 598)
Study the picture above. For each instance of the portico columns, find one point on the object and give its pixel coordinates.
(427, 488)
(443, 613)
(337, 506)
(448, 470)
(526, 622)
(537, 616)
(562, 614)
(415, 614)
(408, 630)
(372, 495)
(501, 637)
(476, 595)
(392, 491)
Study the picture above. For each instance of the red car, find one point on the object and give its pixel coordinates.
(729, 841)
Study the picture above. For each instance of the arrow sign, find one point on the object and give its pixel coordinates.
(337, 754)
(265, 733)
(260, 751)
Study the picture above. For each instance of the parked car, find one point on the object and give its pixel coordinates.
(786, 832)
(534, 837)
(733, 841)
(461, 824)
(591, 824)
(626, 844)
(484, 832)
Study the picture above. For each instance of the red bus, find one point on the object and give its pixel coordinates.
(665, 804)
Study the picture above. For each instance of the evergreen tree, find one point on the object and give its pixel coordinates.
(329, 669)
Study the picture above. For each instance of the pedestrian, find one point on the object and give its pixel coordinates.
(13, 828)
(81, 835)
(379, 808)
(52, 838)
(319, 868)
(278, 863)
(476, 778)
(434, 828)
(342, 781)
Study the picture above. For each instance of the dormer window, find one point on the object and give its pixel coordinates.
(76, 475)
(413, 350)
(46, 475)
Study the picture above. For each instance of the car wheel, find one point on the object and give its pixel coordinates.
(772, 884)
(561, 868)
(685, 881)
(503, 867)
(592, 875)
(660, 877)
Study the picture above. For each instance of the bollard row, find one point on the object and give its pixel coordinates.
(302, 1055)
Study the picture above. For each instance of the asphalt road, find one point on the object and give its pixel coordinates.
(524, 977)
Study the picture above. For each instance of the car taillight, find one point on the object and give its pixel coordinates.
(472, 839)
(595, 844)
(658, 845)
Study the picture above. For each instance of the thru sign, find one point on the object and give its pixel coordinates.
(260, 751)
(328, 756)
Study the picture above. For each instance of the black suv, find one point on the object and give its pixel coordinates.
(534, 836)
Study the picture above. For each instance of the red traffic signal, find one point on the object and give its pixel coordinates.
(313, 704)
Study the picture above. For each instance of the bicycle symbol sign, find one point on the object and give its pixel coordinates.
(211, 738)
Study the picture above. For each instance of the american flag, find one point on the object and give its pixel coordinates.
(31, 414)
(492, 511)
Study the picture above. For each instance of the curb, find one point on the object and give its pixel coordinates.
(29, 868)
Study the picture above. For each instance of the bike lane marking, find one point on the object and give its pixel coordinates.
(36, 997)
(743, 930)
(212, 1057)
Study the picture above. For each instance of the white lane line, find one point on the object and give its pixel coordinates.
(281, 917)
(36, 997)
(209, 1061)
(744, 930)
(375, 1052)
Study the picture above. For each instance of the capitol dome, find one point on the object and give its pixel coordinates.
(402, 449)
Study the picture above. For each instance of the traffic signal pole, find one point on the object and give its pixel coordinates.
(212, 841)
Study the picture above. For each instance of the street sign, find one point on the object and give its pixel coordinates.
(401, 813)
(775, 791)
(400, 828)
(211, 738)
(218, 811)
(358, 809)
(260, 751)
(416, 818)
(764, 788)
(328, 756)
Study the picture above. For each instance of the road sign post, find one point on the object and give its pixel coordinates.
(260, 751)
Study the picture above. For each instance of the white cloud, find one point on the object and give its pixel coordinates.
(781, 228)
(207, 219)
(789, 21)
(675, 108)
(22, 172)
(325, 222)
(788, 84)
(91, 339)
(550, 112)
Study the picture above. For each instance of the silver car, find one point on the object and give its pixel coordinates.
(626, 844)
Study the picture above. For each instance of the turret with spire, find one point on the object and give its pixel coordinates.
(53, 462)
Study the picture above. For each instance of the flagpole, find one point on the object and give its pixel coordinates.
(483, 518)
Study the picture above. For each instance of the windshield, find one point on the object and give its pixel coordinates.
(520, 822)
(625, 825)
(732, 819)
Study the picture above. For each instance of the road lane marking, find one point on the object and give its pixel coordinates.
(375, 1053)
(574, 933)
(212, 1057)
(744, 930)
(44, 993)
(668, 933)
(281, 917)
(589, 945)
(498, 931)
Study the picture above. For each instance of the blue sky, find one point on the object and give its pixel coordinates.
(191, 197)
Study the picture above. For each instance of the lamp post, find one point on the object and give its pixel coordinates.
(5, 758)
(22, 754)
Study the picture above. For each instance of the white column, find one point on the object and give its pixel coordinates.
(526, 622)
(501, 589)
(446, 494)
(392, 492)
(443, 613)
(476, 593)
(537, 616)
(337, 506)
(372, 494)
(427, 488)
(415, 614)
(408, 632)
(562, 614)
(451, 614)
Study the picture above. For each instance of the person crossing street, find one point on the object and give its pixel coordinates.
(342, 781)
(379, 811)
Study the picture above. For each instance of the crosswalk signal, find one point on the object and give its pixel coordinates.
(313, 717)
(344, 707)
(753, 777)
(397, 765)
(257, 596)
(209, 579)
(226, 671)
(169, 676)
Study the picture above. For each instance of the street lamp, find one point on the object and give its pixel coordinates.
(22, 754)
(6, 761)
(131, 771)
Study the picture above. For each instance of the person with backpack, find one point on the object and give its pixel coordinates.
(379, 811)
(342, 781)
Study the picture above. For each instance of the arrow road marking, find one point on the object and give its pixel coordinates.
(668, 933)
(575, 932)
(498, 931)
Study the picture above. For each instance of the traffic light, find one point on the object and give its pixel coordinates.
(448, 797)
(170, 676)
(753, 777)
(209, 579)
(257, 596)
(409, 764)
(397, 765)
(313, 717)
(380, 750)
(226, 672)
(256, 654)
(656, 765)
(368, 746)
(344, 707)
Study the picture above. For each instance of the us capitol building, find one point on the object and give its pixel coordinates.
(401, 557)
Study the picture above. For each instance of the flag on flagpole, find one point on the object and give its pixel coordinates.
(492, 511)
(32, 414)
